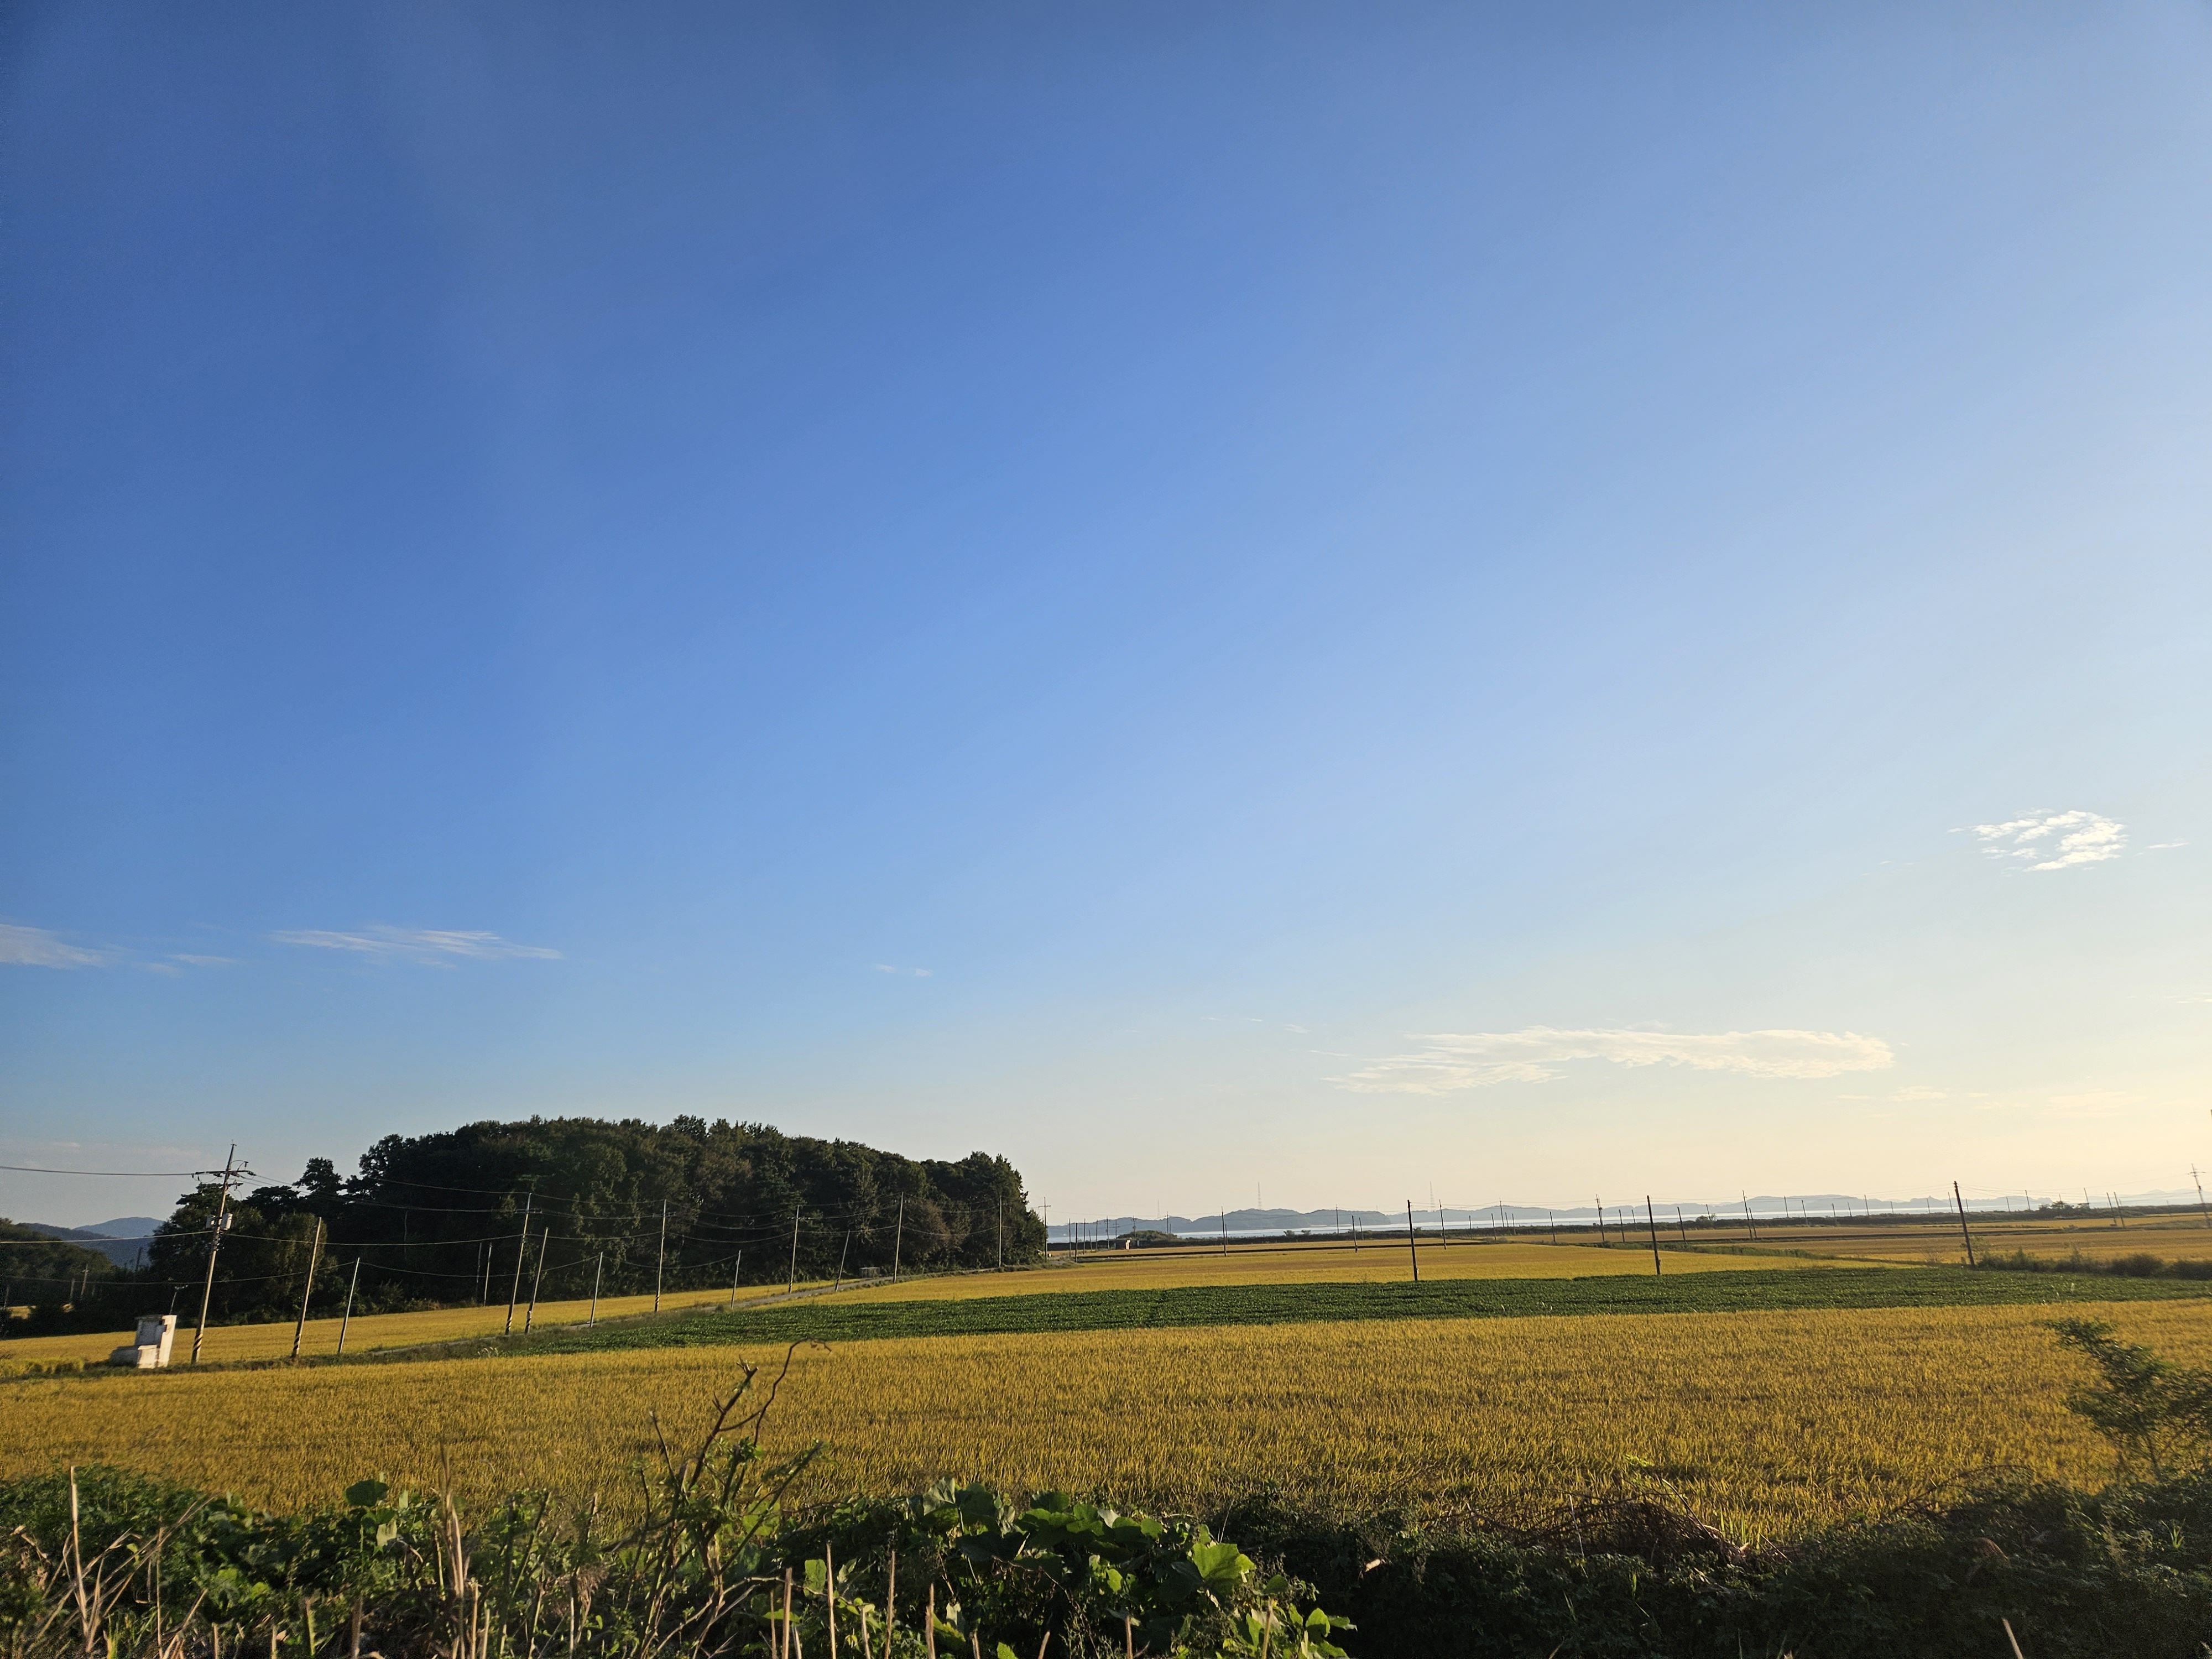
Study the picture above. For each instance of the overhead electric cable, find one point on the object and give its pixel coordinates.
(35, 1168)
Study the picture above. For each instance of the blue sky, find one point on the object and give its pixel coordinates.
(1328, 600)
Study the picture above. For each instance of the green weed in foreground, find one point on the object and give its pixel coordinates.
(104, 1562)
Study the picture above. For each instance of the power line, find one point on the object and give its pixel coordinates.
(34, 1169)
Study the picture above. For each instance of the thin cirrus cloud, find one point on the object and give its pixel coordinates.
(2054, 841)
(903, 973)
(1448, 1063)
(437, 947)
(34, 947)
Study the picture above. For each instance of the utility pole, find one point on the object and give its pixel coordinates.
(1963, 1233)
(522, 1249)
(314, 1260)
(1413, 1247)
(1599, 1202)
(1652, 1220)
(530, 1316)
(1749, 1226)
(1002, 1235)
(347, 1318)
(898, 1237)
(598, 1267)
(1225, 1229)
(1552, 1220)
(793, 1283)
(737, 1267)
(838, 1284)
(2199, 1180)
(1679, 1227)
(661, 1262)
(214, 1244)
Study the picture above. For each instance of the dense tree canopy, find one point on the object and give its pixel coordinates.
(35, 1268)
(441, 1218)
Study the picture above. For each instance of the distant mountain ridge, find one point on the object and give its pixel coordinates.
(1764, 1207)
(121, 1240)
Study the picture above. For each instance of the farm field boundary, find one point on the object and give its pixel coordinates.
(1191, 1306)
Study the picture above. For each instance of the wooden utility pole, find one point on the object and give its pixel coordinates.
(661, 1262)
(1652, 1220)
(521, 1250)
(1412, 1246)
(1963, 1233)
(214, 1244)
(898, 1238)
(314, 1260)
(347, 1318)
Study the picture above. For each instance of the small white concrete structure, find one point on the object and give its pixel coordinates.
(155, 1333)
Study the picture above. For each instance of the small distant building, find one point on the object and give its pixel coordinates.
(156, 1332)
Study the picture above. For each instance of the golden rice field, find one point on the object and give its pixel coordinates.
(1765, 1423)
(368, 1332)
(1314, 1263)
(1288, 1264)
(2168, 1238)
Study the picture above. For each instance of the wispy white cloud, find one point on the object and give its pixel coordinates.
(2054, 841)
(903, 973)
(192, 961)
(435, 947)
(1449, 1062)
(34, 947)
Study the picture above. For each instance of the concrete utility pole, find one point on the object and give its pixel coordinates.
(1652, 1221)
(898, 1237)
(1412, 1246)
(347, 1318)
(314, 1260)
(521, 1250)
(214, 1244)
(537, 1279)
(2199, 1180)
(1960, 1202)
(793, 1283)
(661, 1262)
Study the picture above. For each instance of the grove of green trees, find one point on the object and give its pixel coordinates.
(441, 1219)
